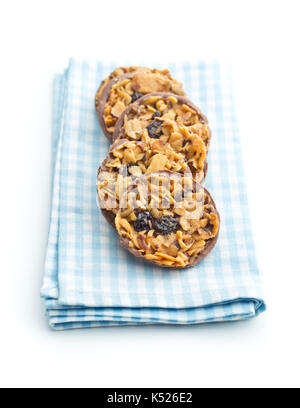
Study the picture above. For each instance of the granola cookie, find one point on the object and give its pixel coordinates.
(126, 85)
(172, 119)
(117, 73)
(128, 160)
(168, 219)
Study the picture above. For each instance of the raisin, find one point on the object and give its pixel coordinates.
(157, 114)
(154, 129)
(143, 221)
(165, 225)
(136, 96)
(128, 166)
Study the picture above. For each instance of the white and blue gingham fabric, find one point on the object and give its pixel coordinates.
(89, 280)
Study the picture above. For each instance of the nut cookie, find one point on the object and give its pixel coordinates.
(172, 119)
(128, 160)
(168, 219)
(117, 92)
(117, 73)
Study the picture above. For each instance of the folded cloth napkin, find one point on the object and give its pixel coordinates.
(89, 280)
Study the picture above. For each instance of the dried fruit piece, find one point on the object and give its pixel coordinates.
(143, 221)
(154, 129)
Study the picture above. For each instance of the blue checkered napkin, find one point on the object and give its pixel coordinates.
(89, 279)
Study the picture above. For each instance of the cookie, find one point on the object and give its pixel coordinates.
(117, 73)
(117, 92)
(128, 160)
(172, 119)
(168, 219)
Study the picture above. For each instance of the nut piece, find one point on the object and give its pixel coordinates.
(124, 87)
(169, 119)
(149, 83)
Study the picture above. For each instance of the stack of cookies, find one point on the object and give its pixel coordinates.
(150, 185)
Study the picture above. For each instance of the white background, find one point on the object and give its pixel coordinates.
(261, 40)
